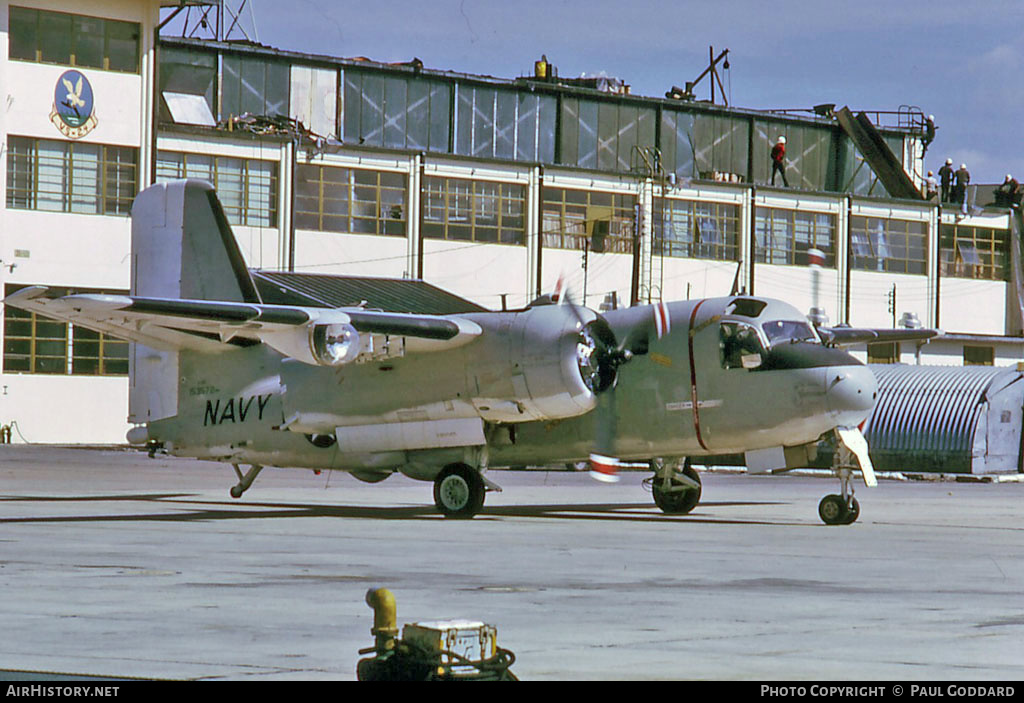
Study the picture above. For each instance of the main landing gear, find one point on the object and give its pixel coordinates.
(459, 491)
(675, 492)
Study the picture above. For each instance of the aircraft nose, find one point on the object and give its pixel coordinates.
(851, 392)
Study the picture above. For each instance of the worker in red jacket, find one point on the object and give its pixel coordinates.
(779, 160)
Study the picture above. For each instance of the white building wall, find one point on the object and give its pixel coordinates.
(64, 249)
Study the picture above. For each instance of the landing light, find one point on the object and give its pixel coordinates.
(335, 344)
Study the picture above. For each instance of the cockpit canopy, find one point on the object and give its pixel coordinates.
(750, 328)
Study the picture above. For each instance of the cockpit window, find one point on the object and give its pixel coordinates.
(781, 331)
(740, 346)
(747, 307)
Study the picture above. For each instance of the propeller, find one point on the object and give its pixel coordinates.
(600, 355)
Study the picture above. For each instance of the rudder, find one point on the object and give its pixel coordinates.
(183, 246)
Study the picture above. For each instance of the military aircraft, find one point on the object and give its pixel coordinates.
(218, 374)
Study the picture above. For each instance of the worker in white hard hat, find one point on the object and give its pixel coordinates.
(929, 133)
(946, 178)
(962, 179)
(779, 160)
(1009, 192)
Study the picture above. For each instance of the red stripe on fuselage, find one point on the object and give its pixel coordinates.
(693, 377)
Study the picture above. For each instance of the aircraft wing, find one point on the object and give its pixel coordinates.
(212, 326)
(843, 336)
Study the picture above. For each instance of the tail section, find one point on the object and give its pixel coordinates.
(182, 248)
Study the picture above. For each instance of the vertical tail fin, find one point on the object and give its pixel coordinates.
(183, 246)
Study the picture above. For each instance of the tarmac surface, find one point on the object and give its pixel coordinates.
(114, 564)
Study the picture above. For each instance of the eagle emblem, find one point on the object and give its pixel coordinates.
(73, 105)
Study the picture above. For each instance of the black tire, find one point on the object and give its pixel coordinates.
(678, 502)
(459, 491)
(832, 510)
(853, 512)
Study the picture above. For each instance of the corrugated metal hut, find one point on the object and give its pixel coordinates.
(948, 419)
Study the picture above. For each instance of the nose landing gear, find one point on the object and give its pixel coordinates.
(850, 454)
(840, 509)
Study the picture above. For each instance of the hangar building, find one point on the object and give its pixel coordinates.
(491, 188)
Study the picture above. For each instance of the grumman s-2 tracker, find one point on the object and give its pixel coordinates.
(216, 373)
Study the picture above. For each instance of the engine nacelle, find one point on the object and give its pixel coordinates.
(547, 357)
(330, 340)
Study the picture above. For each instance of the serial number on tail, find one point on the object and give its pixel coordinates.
(235, 410)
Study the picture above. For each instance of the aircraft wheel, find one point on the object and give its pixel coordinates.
(459, 491)
(853, 512)
(677, 502)
(833, 511)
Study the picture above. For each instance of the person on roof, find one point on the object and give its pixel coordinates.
(779, 160)
(931, 187)
(962, 180)
(1009, 192)
(929, 134)
(946, 178)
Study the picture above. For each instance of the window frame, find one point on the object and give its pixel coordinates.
(349, 182)
(47, 168)
(486, 212)
(794, 251)
(865, 233)
(570, 221)
(112, 31)
(685, 215)
(112, 353)
(990, 252)
(239, 190)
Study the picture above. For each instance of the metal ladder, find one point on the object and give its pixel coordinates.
(648, 163)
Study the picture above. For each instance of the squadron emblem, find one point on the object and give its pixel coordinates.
(73, 105)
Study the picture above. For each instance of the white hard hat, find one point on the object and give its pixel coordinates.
(963, 165)
(1008, 176)
(931, 117)
(949, 162)
(782, 140)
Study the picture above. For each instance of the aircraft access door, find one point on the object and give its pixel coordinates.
(724, 352)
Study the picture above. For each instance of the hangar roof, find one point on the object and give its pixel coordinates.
(387, 294)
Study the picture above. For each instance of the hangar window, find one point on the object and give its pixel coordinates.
(43, 36)
(784, 236)
(594, 220)
(884, 353)
(973, 252)
(330, 199)
(247, 188)
(78, 177)
(979, 356)
(604, 134)
(479, 211)
(396, 111)
(495, 123)
(894, 246)
(41, 345)
(696, 230)
(253, 85)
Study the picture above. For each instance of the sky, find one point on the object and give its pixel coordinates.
(959, 61)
